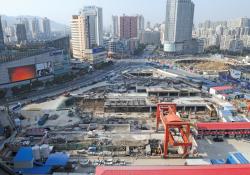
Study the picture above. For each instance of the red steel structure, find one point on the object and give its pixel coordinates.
(248, 108)
(166, 114)
(220, 128)
(176, 170)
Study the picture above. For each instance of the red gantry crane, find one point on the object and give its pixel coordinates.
(166, 114)
(248, 107)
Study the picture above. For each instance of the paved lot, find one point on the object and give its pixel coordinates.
(215, 150)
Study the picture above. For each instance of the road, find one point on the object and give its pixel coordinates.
(183, 73)
(86, 80)
(177, 71)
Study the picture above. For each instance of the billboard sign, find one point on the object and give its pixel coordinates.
(44, 69)
(22, 73)
(98, 50)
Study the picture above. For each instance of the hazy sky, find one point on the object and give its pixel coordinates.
(153, 10)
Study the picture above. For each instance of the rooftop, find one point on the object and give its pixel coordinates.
(24, 154)
(13, 55)
(171, 89)
(175, 170)
(243, 68)
(224, 126)
(222, 88)
(35, 170)
(57, 159)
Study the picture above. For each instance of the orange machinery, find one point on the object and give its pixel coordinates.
(166, 114)
(248, 107)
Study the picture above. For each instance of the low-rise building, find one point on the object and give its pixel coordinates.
(150, 37)
(240, 72)
(132, 44)
(220, 90)
(231, 44)
(116, 46)
(17, 68)
(96, 55)
(194, 46)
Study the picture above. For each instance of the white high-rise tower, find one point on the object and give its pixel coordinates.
(86, 30)
(46, 27)
(115, 26)
(94, 18)
(179, 24)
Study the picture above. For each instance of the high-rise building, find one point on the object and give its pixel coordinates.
(25, 21)
(4, 24)
(232, 44)
(179, 24)
(10, 34)
(35, 28)
(140, 23)
(115, 26)
(128, 27)
(86, 31)
(245, 22)
(148, 25)
(79, 36)
(239, 23)
(46, 27)
(21, 33)
(1, 36)
(94, 19)
(162, 31)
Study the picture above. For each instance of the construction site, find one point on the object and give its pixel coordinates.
(206, 66)
(141, 116)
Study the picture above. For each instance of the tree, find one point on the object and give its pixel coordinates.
(64, 78)
(213, 50)
(140, 49)
(49, 83)
(36, 84)
(18, 90)
(216, 50)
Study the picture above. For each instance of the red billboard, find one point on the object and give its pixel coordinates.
(22, 73)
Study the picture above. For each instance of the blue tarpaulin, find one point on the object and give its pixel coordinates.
(24, 154)
(57, 159)
(35, 170)
(218, 161)
(236, 158)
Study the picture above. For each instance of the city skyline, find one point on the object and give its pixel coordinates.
(203, 9)
(138, 87)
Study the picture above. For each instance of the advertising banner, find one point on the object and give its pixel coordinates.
(22, 73)
(44, 69)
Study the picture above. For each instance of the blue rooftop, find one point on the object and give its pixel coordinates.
(35, 170)
(241, 158)
(57, 159)
(24, 154)
(217, 161)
